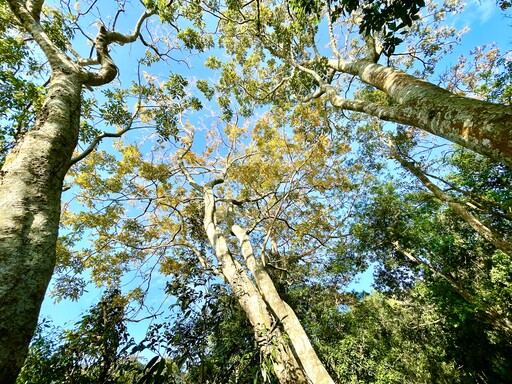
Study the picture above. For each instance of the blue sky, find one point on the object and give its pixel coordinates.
(486, 25)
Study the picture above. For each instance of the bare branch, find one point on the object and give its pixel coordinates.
(332, 39)
(108, 70)
(116, 37)
(239, 203)
(314, 95)
(83, 62)
(272, 91)
(181, 164)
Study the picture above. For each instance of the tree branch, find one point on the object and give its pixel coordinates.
(121, 39)
(476, 200)
(203, 261)
(397, 114)
(56, 58)
(373, 52)
(83, 62)
(496, 318)
(484, 231)
(461, 291)
(108, 70)
(104, 135)
(332, 39)
(35, 7)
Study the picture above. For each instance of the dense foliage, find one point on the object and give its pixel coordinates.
(266, 154)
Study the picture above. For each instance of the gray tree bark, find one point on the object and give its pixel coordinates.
(314, 369)
(273, 343)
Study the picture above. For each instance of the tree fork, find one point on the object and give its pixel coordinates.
(271, 340)
(313, 367)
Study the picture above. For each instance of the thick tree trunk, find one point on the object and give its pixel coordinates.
(483, 127)
(30, 191)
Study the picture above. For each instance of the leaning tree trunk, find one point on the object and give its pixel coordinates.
(312, 365)
(31, 181)
(273, 344)
(486, 232)
(483, 127)
(30, 191)
(278, 331)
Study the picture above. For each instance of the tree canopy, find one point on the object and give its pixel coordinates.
(227, 169)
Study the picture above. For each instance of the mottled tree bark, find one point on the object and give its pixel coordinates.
(30, 191)
(483, 127)
(272, 342)
(31, 182)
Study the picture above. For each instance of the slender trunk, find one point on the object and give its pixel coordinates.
(497, 320)
(30, 192)
(483, 127)
(454, 284)
(299, 340)
(484, 231)
(272, 343)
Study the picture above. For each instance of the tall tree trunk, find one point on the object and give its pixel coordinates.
(313, 367)
(272, 343)
(30, 191)
(293, 356)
